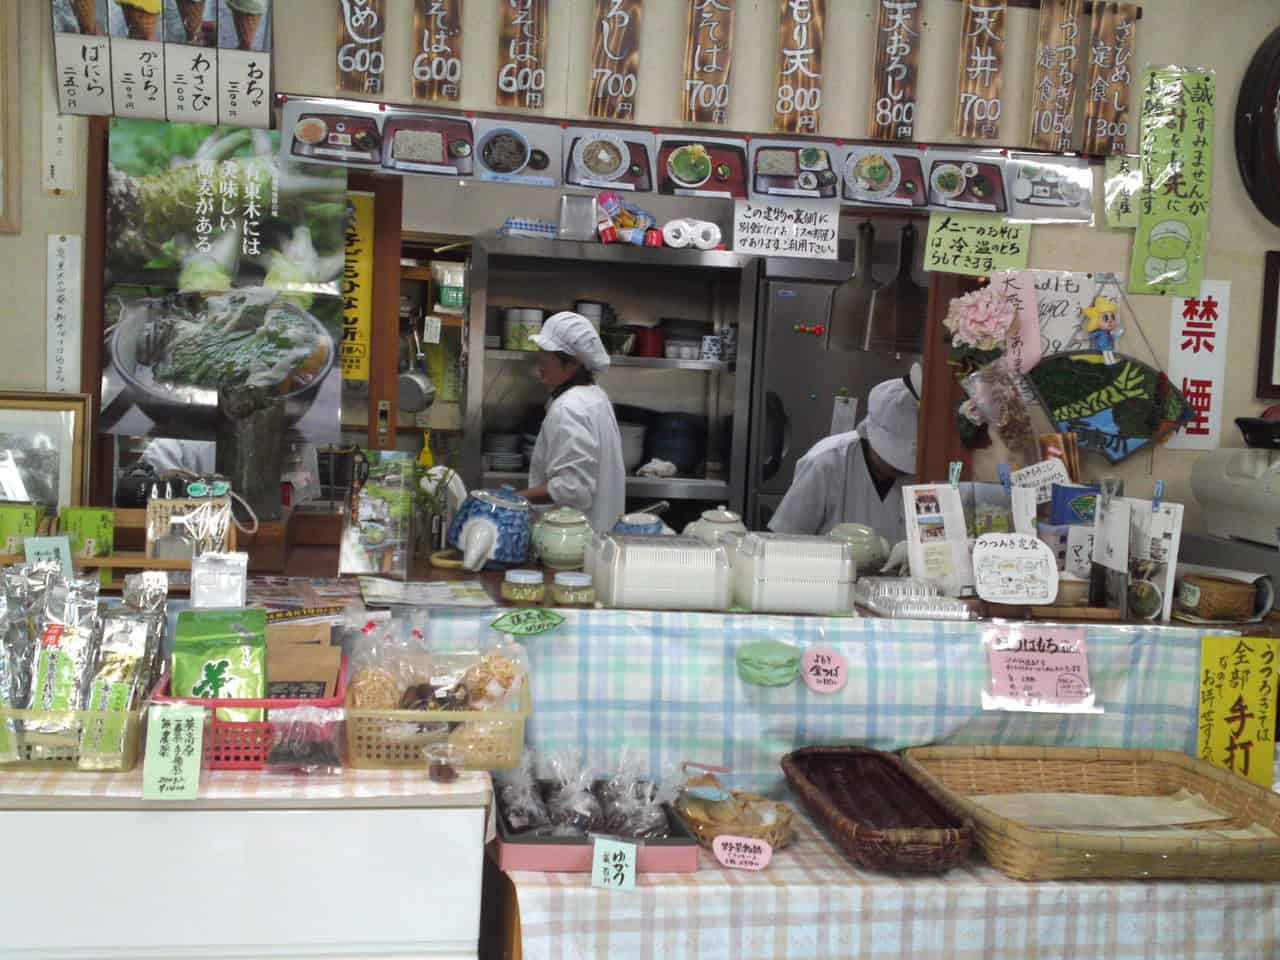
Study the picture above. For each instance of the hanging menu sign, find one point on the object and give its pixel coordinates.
(437, 49)
(978, 102)
(361, 24)
(895, 70)
(1113, 39)
(1057, 77)
(797, 106)
(615, 60)
(708, 57)
(522, 54)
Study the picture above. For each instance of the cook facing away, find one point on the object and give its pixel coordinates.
(856, 477)
(577, 461)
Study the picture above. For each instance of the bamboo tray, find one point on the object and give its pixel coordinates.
(1029, 853)
(877, 811)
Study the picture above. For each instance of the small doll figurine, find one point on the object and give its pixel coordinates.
(1101, 327)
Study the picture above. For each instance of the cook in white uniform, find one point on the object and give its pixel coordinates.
(577, 461)
(856, 477)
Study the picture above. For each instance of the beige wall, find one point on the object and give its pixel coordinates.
(1172, 31)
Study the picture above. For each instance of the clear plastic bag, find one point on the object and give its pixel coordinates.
(574, 809)
(633, 805)
(520, 800)
(306, 740)
(495, 681)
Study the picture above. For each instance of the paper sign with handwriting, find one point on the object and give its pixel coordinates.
(976, 244)
(613, 864)
(171, 767)
(527, 623)
(1079, 551)
(1038, 670)
(49, 550)
(1014, 568)
(1238, 705)
(742, 853)
(795, 228)
(824, 670)
(1042, 476)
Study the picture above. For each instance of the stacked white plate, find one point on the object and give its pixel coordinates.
(502, 452)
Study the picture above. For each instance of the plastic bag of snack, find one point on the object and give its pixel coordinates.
(574, 809)
(496, 680)
(306, 740)
(633, 803)
(385, 663)
(520, 800)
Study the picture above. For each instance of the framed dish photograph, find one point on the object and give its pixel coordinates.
(1268, 348)
(44, 448)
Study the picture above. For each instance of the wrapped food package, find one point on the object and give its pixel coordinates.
(219, 655)
(117, 684)
(65, 654)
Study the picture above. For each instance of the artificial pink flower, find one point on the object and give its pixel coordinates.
(980, 319)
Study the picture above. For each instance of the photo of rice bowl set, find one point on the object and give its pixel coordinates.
(884, 175)
(702, 167)
(967, 181)
(781, 168)
(615, 159)
(512, 152)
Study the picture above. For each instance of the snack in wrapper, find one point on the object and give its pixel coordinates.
(633, 806)
(115, 689)
(520, 800)
(219, 655)
(574, 809)
(65, 654)
(147, 593)
(496, 681)
(306, 740)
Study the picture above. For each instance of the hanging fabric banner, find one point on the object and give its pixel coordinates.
(1113, 38)
(615, 60)
(797, 106)
(708, 58)
(361, 25)
(1057, 77)
(437, 49)
(981, 69)
(522, 54)
(895, 70)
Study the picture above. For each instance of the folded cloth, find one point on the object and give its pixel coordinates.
(657, 468)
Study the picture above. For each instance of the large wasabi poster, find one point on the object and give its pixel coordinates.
(223, 266)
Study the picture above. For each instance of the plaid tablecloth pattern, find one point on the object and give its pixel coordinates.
(812, 902)
(667, 685)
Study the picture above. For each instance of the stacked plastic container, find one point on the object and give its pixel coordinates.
(785, 573)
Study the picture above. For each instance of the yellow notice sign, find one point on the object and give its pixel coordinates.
(1238, 704)
(976, 244)
(357, 287)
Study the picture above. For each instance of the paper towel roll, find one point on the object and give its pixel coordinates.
(705, 235)
(677, 234)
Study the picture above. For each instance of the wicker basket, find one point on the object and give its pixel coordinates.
(877, 811)
(776, 834)
(1028, 853)
(481, 739)
(91, 741)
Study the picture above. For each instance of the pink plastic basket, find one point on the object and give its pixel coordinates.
(238, 745)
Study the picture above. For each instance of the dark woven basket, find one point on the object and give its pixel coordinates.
(870, 804)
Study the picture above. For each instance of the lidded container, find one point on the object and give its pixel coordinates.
(570, 589)
(787, 573)
(660, 573)
(524, 586)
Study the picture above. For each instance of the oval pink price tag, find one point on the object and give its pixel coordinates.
(824, 670)
(742, 853)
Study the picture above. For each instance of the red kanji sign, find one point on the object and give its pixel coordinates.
(1200, 318)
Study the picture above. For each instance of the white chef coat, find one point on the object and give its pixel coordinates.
(579, 456)
(181, 456)
(833, 485)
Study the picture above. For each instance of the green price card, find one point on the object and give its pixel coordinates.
(613, 864)
(976, 244)
(175, 740)
(528, 623)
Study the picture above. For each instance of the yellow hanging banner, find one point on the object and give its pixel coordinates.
(357, 287)
(1238, 704)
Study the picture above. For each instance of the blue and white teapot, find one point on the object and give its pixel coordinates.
(492, 527)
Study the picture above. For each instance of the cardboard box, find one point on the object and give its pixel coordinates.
(302, 664)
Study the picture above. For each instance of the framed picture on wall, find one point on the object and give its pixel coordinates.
(1268, 348)
(10, 121)
(44, 448)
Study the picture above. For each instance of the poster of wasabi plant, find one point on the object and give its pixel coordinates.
(223, 270)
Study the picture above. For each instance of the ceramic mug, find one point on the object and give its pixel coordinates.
(711, 347)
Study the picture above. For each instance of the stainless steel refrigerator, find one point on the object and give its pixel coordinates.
(824, 329)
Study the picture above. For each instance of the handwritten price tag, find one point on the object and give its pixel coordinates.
(527, 623)
(742, 853)
(1040, 671)
(171, 767)
(824, 670)
(613, 864)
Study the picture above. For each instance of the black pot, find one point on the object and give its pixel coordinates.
(680, 438)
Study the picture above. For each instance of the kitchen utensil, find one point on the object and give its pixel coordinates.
(519, 326)
(680, 438)
(782, 573)
(898, 309)
(560, 538)
(414, 392)
(650, 341)
(851, 304)
(492, 526)
(657, 508)
(660, 573)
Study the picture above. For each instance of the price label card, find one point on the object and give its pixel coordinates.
(527, 623)
(824, 670)
(46, 549)
(191, 84)
(244, 88)
(613, 864)
(1038, 670)
(175, 739)
(742, 853)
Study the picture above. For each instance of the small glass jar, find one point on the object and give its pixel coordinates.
(524, 586)
(573, 590)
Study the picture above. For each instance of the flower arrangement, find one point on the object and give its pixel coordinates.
(977, 326)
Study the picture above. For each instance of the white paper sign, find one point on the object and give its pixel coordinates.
(1079, 551)
(244, 88)
(62, 304)
(1198, 362)
(1042, 476)
(1111, 540)
(137, 78)
(1060, 298)
(1014, 568)
(191, 84)
(59, 134)
(1023, 502)
(83, 73)
(791, 228)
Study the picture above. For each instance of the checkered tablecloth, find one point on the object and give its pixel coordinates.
(667, 685)
(812, 902)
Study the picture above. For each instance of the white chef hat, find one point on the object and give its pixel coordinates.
(893, 420)
(572, 333)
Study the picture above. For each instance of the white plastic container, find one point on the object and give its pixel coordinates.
(784, 573)
(660, 573)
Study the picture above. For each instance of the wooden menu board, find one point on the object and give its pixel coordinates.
(615, 60)
(797, 104)
(708, 59)
(981, 68)
(1057, 76)
(1112, 43)
(522, 54)
(437, 49)
(361, 24)
(895, 70)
